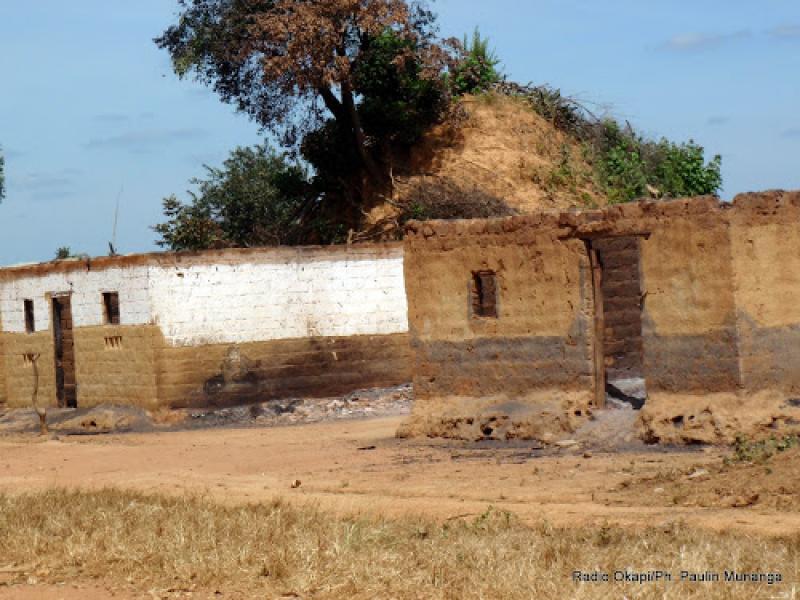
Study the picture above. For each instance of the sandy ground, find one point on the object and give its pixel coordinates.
(359, 467)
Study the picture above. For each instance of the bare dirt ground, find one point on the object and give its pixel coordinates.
(358, 466)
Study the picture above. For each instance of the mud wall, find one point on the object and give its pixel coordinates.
(19, 373)
(212, 328)
(117, 365)
(495, 375)
(765, 235)
(720, 317)
(113, 363)
(689, 317)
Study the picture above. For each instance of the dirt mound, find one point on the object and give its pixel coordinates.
(497, 147)
(717, 418)
(546, 416)
(770, 483)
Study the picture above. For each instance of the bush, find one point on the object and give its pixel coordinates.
(257, 198)
(627, 164)
(475, 69)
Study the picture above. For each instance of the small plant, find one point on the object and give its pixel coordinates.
(747, 450)
(475, 70)
(64, 252)
(494, 520)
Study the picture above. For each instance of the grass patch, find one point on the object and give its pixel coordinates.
(747, 450)
(275, 548)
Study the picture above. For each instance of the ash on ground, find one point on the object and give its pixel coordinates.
(106, 419)
(362, 404)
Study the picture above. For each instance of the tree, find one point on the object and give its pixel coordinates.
(257, 198)
(282, 61)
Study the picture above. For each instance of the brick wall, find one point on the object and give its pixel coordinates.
(233, 374)
(622, 297)
(283, 294)
(314, 320)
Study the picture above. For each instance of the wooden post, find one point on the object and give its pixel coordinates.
(41, 411)
(599, 327)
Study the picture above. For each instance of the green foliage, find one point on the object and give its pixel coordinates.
(627, 164)
(620, 167)
(747, 450)
(681, 169)
(399, 100)
(64, 252)
(352, 99)
(257, 198)
(475, 69)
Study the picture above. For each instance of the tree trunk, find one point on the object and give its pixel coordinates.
(359, 137)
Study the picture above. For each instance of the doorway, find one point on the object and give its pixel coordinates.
(66, 384)
(619, 304)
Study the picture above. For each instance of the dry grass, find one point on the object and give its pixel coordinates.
(275, 548)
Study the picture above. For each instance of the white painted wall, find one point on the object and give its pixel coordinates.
(311, 292)
(87, 288)
(315, 294)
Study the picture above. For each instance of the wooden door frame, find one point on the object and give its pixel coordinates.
(599, 334)
(599, 329)
(54, 299)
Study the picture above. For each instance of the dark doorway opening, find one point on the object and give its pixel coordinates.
(66, 384)
(620, 319)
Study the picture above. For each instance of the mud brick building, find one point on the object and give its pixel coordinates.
(519, 324)
(198, 329)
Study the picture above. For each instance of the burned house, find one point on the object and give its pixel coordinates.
(521, 326)
(212, 328)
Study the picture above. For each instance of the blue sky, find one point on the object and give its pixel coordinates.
(90, 109)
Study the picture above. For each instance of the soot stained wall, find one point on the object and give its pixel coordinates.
(296, 321)
(719, 284)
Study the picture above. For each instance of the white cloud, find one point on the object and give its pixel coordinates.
(700, 41)
(785, 32)
(143, 141)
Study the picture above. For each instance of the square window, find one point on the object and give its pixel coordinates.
(30, 321)
(484, 294)
(111, 307)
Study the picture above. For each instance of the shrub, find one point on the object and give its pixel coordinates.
(627, 164)
(747, 450)
(475, 69)
(256, 199)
